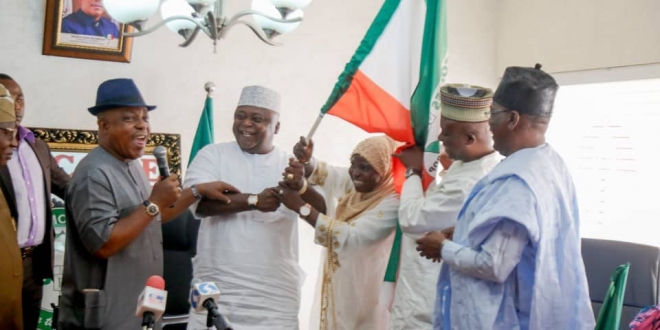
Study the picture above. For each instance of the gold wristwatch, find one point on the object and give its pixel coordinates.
(151, 208)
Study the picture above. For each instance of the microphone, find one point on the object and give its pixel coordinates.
(203, 297)
(151, 302)
(161, 158)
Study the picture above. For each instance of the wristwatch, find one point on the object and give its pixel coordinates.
(253, 200)
(152, 209)
(411, 171)
(305, 211)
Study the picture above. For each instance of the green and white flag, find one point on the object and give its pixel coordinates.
(204, 134)
(392, 83)
(425, 101)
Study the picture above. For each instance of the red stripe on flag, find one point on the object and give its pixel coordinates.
(368, 106)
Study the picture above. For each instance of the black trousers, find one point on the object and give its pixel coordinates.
(32, 294)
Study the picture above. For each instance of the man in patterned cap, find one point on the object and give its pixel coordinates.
(466, 139)
(515, 259)
(249, 247)
(11, 267)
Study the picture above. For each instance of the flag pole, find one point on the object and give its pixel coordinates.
(210, 88)
(314, 127)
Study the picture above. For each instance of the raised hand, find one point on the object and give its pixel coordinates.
(268, 200)
(166, 192)
(217, 190)
(294, 175)
(303, 150)
(412, 157)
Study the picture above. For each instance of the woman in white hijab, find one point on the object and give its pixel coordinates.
(357, 235)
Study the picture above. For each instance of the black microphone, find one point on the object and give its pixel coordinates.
(203, 297)
(214, 318)
(161, 158)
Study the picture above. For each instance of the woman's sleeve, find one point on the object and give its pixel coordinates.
(334, 180)
(369, 229)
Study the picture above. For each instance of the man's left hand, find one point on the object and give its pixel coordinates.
(430, 246)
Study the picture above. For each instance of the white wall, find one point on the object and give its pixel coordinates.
(573, 35)
(472, 42)
(59, 89)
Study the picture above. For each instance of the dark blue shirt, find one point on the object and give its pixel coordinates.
(81, 23)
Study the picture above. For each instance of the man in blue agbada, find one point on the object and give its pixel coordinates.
(514, 260)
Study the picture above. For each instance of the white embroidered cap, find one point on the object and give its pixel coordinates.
(262, 97)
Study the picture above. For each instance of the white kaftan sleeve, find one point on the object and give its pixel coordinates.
(499, 254)
(370, 228)
(437, 211)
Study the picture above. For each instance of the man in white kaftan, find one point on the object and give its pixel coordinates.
(249, 247)
(438, 210)
(515, 260)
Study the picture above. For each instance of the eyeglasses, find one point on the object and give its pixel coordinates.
(499, 111)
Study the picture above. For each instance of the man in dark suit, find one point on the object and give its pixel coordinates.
(28, 180)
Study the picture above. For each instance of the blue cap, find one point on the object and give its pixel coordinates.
(116, 93)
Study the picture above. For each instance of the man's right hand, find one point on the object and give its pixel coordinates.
(166, 192)
(449, 232)
(412, 157)
(268, 200)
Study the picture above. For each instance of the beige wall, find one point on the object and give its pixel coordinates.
(574, 35)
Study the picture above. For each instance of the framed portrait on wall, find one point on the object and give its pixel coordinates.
(83, 29)
(69, 147)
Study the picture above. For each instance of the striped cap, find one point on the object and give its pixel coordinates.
(7, 112)
(461, 102)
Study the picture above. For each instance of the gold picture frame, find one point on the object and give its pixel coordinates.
(82, 37)
(83, 141)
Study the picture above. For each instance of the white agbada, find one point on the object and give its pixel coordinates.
(414, 296)
(252, 256)
(363, 248)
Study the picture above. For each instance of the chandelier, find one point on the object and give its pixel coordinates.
(189, 17)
